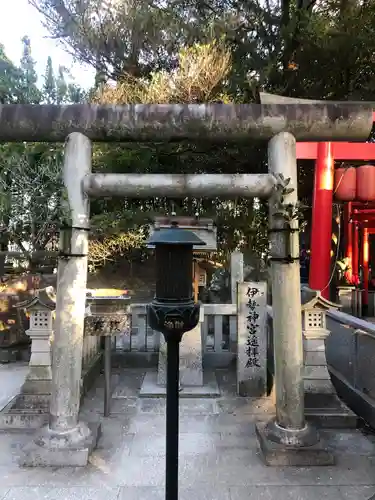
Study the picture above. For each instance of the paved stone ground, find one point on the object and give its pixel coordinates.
(219, 458)
(13, 374)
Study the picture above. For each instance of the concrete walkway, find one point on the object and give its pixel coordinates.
(219, 458)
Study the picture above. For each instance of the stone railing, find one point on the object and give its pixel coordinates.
(91, 350)
(351, 301)
(350, 355)
(219, 330)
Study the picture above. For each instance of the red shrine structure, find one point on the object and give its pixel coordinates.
(354, 188)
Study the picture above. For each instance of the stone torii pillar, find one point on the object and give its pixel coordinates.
(66, 441)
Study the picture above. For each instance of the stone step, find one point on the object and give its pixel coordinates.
(25, 411)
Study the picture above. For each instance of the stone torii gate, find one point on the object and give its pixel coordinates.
(68, 441)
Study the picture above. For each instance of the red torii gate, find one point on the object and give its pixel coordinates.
(355, 216)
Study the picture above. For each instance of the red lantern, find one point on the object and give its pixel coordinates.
(345, 183)
(366, 183)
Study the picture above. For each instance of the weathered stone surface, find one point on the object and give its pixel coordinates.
(236, 273)
(162, 363)
(278, 455)
(220, 122)
(200, 493)
(104, 325)
(285, 493)
(39, 378)
(51, 493)
(191, 348)
(252, 339)
(226, 186)
(228, 460)
(44, 452)
(25, 411)
(151, 389)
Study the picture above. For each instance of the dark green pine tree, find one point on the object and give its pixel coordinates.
(10, 77)
(61, 86)
(49, 86)
(28, 91)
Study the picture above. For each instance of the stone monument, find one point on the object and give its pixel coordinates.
(252, 339)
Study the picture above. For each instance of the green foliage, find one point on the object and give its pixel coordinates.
(193, 51)
(31, 185)
(28, 90)
(30, 194)
(50, 92)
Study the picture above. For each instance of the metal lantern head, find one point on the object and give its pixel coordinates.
(173, 310)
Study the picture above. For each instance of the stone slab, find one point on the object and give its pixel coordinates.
(191, 354)
(328, 411)
(210, 388)
(25, 411)
(51, 493)
(285, 493)
(34, 455)
(252, 339)
(357, 492)
(150, 493)
(277, 455)
(107, 324)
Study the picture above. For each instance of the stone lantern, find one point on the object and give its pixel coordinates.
(40, 308)
(314, 329)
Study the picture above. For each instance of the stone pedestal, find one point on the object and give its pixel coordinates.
(279, 455)
(38, 379)
(316, 376)
(55, 449)
(322, 404)
(315, 332)
(252, 339)
(191, 349)
(192, 380)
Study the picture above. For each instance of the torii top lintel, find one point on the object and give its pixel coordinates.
(329, 121)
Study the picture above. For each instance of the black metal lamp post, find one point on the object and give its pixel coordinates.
(173, 312)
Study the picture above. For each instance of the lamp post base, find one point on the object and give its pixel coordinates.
(173, 385)
(299, 448)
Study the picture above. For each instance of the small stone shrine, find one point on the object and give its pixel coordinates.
(30, 408)
(314, 329)
(322, 404)
(40, 309)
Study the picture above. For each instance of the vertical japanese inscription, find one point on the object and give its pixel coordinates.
(252, 326)
(252, 339)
